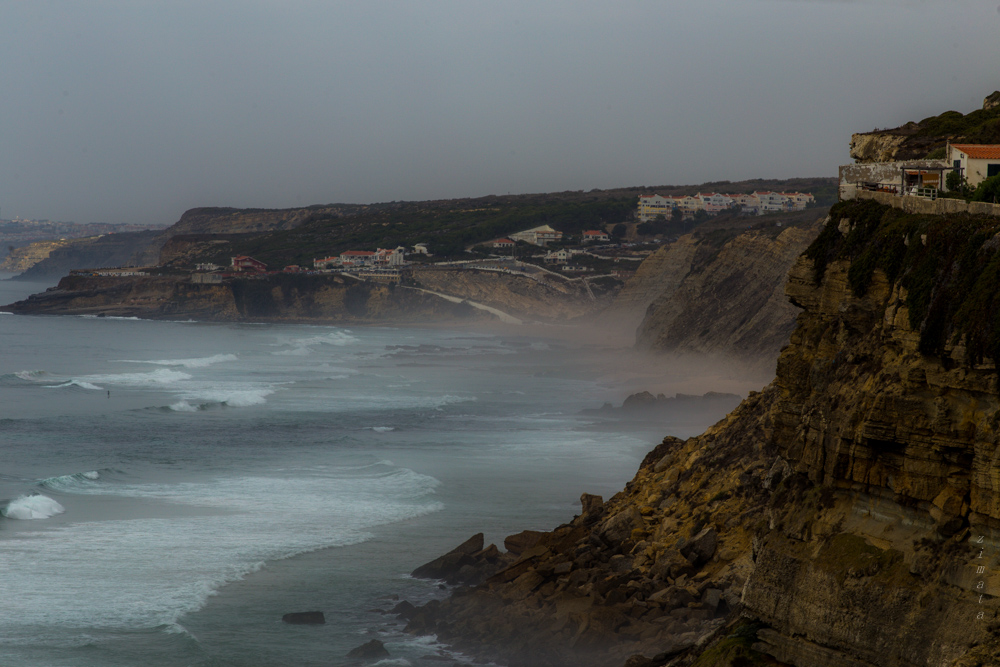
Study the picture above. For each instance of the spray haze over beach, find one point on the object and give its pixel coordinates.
(171, 489)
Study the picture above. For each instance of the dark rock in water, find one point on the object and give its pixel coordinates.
(451, 562)
(518, 543)
(403, 610)
(373, 650)
(305, 618)
(641, 401)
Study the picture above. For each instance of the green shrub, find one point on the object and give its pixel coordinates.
(988, 190)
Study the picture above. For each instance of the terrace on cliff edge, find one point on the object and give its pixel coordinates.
(846, 515)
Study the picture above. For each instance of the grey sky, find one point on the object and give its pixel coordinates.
(134, 111)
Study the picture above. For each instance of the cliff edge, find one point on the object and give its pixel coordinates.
(847, 515)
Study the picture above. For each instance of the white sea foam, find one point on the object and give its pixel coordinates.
(35, 506)
(383, 429)
(235, 396)
(183, 406)
(76, 383)
(31, 376)
(159, 377)
(197, 362)
(148, 572)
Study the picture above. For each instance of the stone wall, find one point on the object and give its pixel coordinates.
(930, 206)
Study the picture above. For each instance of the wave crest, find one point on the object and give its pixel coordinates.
(72, 482)
(196, 362)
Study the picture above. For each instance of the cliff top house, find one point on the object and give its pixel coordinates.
(245, 263)
(976, 162)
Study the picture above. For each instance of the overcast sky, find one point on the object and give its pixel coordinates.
(134, 111)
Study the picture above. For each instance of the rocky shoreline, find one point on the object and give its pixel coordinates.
(830, 520)
(611, 587)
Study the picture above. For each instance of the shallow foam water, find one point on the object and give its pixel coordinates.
(213, 477)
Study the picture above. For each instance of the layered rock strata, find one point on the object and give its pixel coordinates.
(733, 305)
(846, 516)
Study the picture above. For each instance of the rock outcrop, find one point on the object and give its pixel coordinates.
(913, 141)
(847, 515)
(282, 298)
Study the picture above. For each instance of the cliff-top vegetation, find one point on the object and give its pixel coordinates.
(948, 265)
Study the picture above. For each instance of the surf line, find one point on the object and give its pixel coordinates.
(978, 563)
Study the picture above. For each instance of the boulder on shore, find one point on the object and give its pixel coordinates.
(373, 650)
(305, 618)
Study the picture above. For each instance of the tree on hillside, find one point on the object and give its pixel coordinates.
(619, 231)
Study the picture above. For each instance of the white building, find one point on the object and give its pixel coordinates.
(977, 162)
(713, 202)
(538, 235)
(651, 206)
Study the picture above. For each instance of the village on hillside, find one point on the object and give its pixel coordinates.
(599, 258)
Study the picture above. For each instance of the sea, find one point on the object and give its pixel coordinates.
(169, 490)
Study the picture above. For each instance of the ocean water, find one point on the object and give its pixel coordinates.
(169, 490)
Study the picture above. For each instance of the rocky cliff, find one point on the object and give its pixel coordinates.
(733, 304)
(913, 141)
(228, 221)
(94, 252)
(284, 298)
(23, 258)
(659, 274)
(847, 515)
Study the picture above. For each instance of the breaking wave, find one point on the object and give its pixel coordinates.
(298, 347)
(161, 376)
(197, 362)
(76, 383)
(34, 506)
(71, 482)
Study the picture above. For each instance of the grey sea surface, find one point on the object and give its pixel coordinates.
(171, 489)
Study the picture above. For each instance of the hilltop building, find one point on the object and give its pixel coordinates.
(976, 162)
(757, 203)
(248, 264)
(593, 235)
(538, 236)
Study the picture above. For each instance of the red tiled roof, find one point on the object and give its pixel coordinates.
(980, 151)
(593, 232)
(503, 241)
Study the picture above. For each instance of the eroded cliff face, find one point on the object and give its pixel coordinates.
(23, 258)
(93, 252)
(660, 273)
(518, 295)
(835, 519)
(877, 147)
(734, 304)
